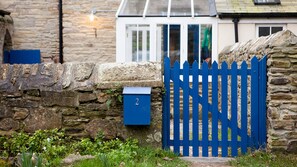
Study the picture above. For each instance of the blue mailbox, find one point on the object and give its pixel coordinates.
(137, 105)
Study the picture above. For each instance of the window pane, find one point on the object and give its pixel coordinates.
(133, 7)
(157, 8)
(193, 43)
(201, 7)
(276, 29)
(174, 46)
(180, 8)
(264, 31)
(206, 43)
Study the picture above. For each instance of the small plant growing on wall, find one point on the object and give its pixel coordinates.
(114, 95)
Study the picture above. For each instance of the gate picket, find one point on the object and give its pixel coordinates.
(244, 107)
(234, 109)
(195, 112)
(186, 109)
(224, 104)
(176, 106)
(211, 138)
(254, 102)
(204, 109)
(214, 109)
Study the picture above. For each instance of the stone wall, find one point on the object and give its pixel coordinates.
(281, 51)
(37, 27)
(6, 31)
(86, 41)
(74, 96)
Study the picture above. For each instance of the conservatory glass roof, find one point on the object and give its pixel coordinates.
(166, 8)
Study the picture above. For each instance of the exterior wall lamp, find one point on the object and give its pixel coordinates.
(92, 15)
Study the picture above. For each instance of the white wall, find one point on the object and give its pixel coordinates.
(247, 29)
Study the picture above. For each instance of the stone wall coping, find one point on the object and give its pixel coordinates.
(78, 76)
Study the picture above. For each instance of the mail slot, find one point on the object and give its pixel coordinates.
(137, 105)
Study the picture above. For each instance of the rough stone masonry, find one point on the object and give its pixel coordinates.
(281, 51)
(74, 96)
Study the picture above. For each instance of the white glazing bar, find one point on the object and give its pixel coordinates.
(168, 39)
(144, 45)
(137, 43)
(153, 42)
(192, 8)
(200, 49)
(145, 8)
(169, 8)
(183, 44)
(119, 9)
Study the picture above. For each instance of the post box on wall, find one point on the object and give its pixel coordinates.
(137, 105)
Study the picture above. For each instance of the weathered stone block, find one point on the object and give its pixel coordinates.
(20, 113)
(107, 127)
(281, 63)
(83, 71)
(43, 118)
(22, 103)
(74, 120)
(281, 96)
(65, 98)
(279, 142)
(291, 135)
(8, 124)
(290, 50)
(283, 124)
(292, 146)
(87, 97)
(5, 112)
(69, 111)
(279, 81)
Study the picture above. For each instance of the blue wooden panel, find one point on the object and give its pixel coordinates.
(262, 102)
(166, 105)
(6, 56)
(254, 103)
(204, 109)
(234, 151)
(244, 107)
(195, 111)
(224, 104)
(24, 56)
(176, 101)
(186, 108)
(215, 109)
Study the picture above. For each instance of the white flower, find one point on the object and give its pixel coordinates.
(44, 148)
(48, 139)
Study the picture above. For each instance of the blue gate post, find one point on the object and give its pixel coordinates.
(166, 105)
(254, 103)
(262, 102)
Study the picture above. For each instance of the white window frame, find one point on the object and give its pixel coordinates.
(270, 26)
(122, 22)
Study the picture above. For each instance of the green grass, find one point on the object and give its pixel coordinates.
(263, 159)
(142, 157)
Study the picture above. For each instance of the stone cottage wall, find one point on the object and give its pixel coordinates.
(6, 31)
(37, 27)
(75, 97)
(281, 51)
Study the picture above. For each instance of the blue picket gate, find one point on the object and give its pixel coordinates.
(233, 120)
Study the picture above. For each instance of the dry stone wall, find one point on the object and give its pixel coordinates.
(281, 51)
(74, 96)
